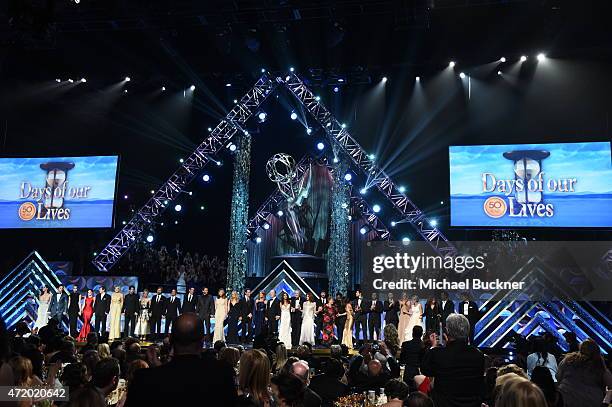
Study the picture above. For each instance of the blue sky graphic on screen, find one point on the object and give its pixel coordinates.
(531, 185)
(57, 192)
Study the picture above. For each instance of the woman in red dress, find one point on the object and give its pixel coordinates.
(329, 317)
(87, 312)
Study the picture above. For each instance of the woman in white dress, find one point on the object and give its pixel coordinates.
(307, 334)
(416, 317)
(42, 316)
(220, 315)
(284, 330)
(142, 324)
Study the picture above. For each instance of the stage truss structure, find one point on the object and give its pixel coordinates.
(233, 123)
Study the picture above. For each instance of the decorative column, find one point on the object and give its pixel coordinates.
(239, 216)
(338, 253)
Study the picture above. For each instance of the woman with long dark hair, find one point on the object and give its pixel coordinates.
(432, 315)
(284, 328)
(233, 316)
(259, 314)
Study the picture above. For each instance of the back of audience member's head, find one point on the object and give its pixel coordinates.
(106, 374)
(254, 375)
(302, 352)
(418, 399)
(335, 351)
(133, 349)
(511, 368)
(86, 396)
(74, 376)
(36, 357)
(34, 340)
(374, 367)
(542, 378)
(391, 337)
(288, 389)
(90, 359)
(92, 339)
(218, 345)
(129, 341)
(230, 355)
(187, 334)
(345, 349)
(490, 379)
(5, 348)
(21, 328)
(334, 368)
(104, 350)
(588, 356)
(287, 366)
(22, 370)
(396, 389)
(133, 367)
(301, 370)
(457, 327)
(520, 392)
(116, 344)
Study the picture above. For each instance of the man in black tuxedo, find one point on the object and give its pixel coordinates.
(131, 307)
(246, 306)
(206, 308)
(59, 305)
(447, 307)
(469, 309)
(188, 376)
(375, 309)
(158, 306)
(319, 315)
(360, 308)
(173, 308)
(190, 301)
(297, 305)
(457, 369)
(391, 307)
(340, 320)
(101, 309)
(329, 385)
(273, 313)
(412, 355)
(73, 310)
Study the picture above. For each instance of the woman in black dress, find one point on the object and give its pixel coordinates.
(432, 315)
(233, 316)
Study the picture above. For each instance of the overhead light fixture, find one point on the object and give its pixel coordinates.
(451, 64)
(127, 79)
(294, 115)
(192, 88)
(502, 59)
(462, 75)
(541, 57)
(523, 58)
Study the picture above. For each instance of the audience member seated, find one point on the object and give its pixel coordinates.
(254, 380)
(418, 399)
(187, 377)
(520, 392)
(543, 379)
(91, 343)
(302, 371)
(541, 357)
(583, 376)
(106, 376)
(329, 385)
(230, 356)
(74, 376)
(86, 396)
(511, 368)
(104, 351)
(280, 357)
(66, 354)
(489, 386)
(90, 359)
(133, 367)
(392, 339)
(457, 369)
(411, 355)
(370, 376)
(288, 390)
(396, 392)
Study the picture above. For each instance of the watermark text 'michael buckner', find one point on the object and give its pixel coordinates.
(444, 284)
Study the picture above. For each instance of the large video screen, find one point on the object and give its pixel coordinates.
(531, 185)
(57, 192)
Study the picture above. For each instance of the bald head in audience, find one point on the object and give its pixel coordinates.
(301, 370)
(187, 334)
(374, 368)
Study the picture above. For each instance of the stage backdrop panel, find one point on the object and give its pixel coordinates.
(531, 185)
(58, 192)
(95, 282)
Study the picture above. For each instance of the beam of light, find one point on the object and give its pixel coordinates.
(541, 57)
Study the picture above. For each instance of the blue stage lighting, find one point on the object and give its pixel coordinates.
(363, 230)
(335, 160)
(336, 89)
(348, 176)
(320, 146)
(280, 213)
(192, 88)
(376, 208)
(258, 239)
(401, 189)
(232, 147)
(462, 75)
(405, 239)
(293, 115)
(206, 177)
(178, 207)
(266, 226)
(393, 223)
(262, 116)
(291, 69)
(363, 191)
(150, 238)
(371, 156)
(433, 223)
(309, 131)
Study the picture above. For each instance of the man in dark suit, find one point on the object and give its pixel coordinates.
(447, 307)
(412, 355)
(391, 307)
(101, 309)
(173, 308)
(206, 308)
(190, 301)
(246, 306)
(158, 306)
(188, 376)
(375, 309)
(469, 309)
(457, 369)
(319, 315)
(329, 385)
(131, 307)
(361, 316)
(301, 370)
(297, 304)
(73, 310)
(273, 313)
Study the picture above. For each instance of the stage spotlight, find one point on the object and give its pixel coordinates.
(499, 72)
(258, 239)
(178, 207)
(262, 116)
(280, 213)
(70, 80)
(192, 88)
(335, 160)
(363, 230)
(266, 226)
(235, 101)
(541, 57)
(219, 163)
(124, 90)
(344, 205)
(127, 79)
(163, 88)
(348, 176)
(502, 59)
(320, 146)
(523, 58)
(263, 70)
(393, 223)
(405, 239)
(166, 202)
(95, 253)
(462, 75)
(384, 79)
(401, 189)
(340, 80)
(418, 79)
(58, 80)
(124, 223)
(152, 192)
(228, 85)
(343, 125)
(293, 115)
(291, 69)
(83, 80)
(336, 89)
(176, 222)
(376, 208)
(232, 147)
(372, 157)
(317, 98)
(441, 202)
(201, 207)
(150, 238)
(181, 160)
(309, 131)
(363, 191)
(206, 178)
(433, 223)
(210, 129)
(451, 64)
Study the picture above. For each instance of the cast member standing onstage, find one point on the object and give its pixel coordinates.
(391, 307)
(361, 316)
(86, 312)
(220, 315)
(59, 305)
(329, 317)
(205, 309)
(416, 317)
(297, 305)
(116, 306)
(404, 317)
(233, 318)
(307, 330)
(248, 306)
(374, 317)
(347, 334)
(339, 303)
(158, 306)
(190, 301)
(42, 316)
(259, 315)
(469, 309)
(447, 307)
(273, 314)
(284, 329)
(432, 316)
(172, 311)
(142, 325)
(101, 308)
(74, 307)
(130, 311)
(319, 316)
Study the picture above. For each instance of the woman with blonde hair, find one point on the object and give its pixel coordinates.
(233, 317)
(518, 391)
(23, 373)
(254, 379)
(280, 357)
(104, 351)
(404, 304)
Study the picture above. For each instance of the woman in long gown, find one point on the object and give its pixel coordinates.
(307, 332)
(220, 315)
(87, 308)
(347, 334)
(404, 317)
(284, 329)
(259, 314)
(416, 317)
(233, 316)
(329, 318)
(142, 324)
(115, 314)
(42, 316)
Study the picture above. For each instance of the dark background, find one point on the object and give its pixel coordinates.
(209, 44)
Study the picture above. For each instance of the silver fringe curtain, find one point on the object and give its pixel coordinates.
(338, 253)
